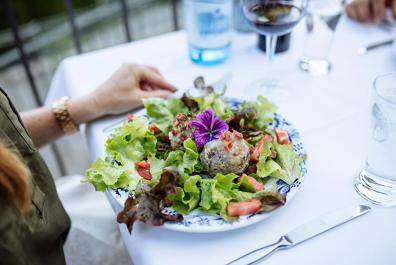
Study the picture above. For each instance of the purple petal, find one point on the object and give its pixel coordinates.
(201, 138)
(207, 127)
(219, 125)
(197, 124)
(206, 117)
(200, 131)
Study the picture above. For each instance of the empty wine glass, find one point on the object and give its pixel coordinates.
(321, 21)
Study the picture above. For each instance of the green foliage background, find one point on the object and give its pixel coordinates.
(28, 10)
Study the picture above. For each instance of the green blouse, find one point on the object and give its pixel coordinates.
(38, 237)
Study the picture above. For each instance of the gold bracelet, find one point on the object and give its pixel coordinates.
(62, 116)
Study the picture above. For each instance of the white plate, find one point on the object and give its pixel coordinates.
(199, 222)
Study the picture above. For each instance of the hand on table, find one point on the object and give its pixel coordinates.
(126, 88)
(370, 10)
(122, 92)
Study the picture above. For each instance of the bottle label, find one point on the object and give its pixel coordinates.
(209, 24)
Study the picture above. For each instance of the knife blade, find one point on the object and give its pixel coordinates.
(304, 232)
(364, 50)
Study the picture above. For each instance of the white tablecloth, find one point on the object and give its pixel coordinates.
(332, 114)
(94, 237)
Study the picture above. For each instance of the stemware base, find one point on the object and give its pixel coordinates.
(375, 189)
(315, 67)
(271, 88)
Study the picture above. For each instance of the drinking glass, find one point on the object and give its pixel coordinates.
(321, 21)
(377, 181)
(272, 18)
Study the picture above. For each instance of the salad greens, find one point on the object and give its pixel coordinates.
(163, 163)
(220, 107)
(128, 144)
(163, 111)
(264, 112)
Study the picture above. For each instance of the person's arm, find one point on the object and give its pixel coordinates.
(122, 92)
(371, 11)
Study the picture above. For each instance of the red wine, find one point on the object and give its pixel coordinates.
(276, 18)
(282, 43)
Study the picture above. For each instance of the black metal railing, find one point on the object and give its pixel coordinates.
(25, 56)
(124, 11)
(72, 22)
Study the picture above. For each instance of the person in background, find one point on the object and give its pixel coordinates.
(33, 223)
(370, 11)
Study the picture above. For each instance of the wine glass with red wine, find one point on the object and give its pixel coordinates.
(272, 18)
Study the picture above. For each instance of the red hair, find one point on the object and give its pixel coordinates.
(14, 179)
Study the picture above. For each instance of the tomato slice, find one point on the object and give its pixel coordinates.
(143, 164)
(259, 147)
(236, 209)
(143, 169)
(144, 173)
(130, 117)
(154, 129)
(281, 136)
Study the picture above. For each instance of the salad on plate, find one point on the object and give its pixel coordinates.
(197, 154)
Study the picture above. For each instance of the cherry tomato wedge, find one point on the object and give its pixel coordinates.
(143, 169)
(236, 209)
(143, 164)
(130, 117)
(144, 173)
(281, 136)
(259, 147)
(154, 129)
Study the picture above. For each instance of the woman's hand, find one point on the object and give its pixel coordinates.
(126, 88)
(370, 10)
(123, 92)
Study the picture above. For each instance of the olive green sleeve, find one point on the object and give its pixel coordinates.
(11, 249)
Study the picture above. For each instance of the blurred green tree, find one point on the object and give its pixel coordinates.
(28, 10)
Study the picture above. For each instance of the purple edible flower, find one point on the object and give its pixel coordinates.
(207, 127)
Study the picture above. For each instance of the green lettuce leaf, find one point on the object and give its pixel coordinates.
(264, 111)
(267, 167)
(286, 166)
(186, 161)
(217, 103)
(128, 144)
(187, 198)
(270, 168)
(104, 174)
(156, 168)
(190, 156)
(246, 185)
(212, 200)
(218, 192)
(289, 160)
(163, 111)
(175, 158)
(132, 141)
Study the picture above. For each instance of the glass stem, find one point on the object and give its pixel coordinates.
(270, 46)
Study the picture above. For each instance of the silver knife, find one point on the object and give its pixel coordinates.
(364, 50)
(302, 233)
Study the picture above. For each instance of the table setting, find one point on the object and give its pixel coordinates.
(333, 98)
